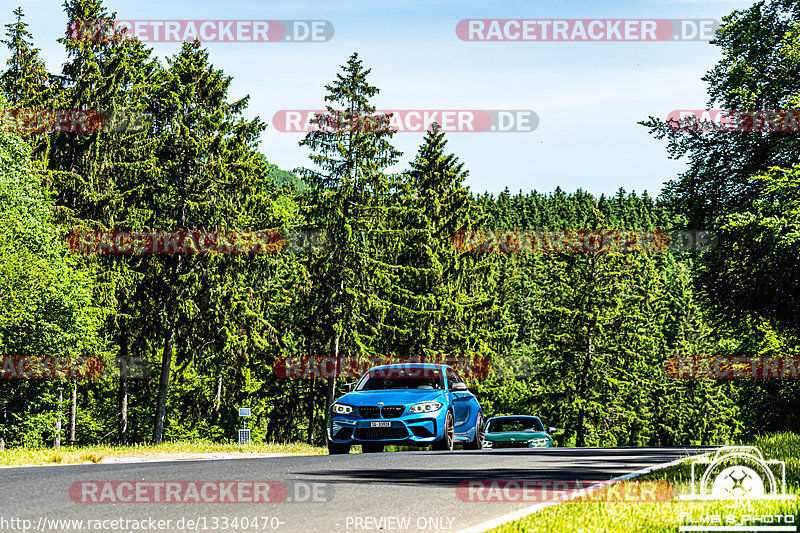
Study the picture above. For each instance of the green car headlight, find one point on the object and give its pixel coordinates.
(426, 407)
(536, 443)
(341, 409)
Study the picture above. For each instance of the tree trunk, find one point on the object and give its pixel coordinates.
(73, 411)
(163, 380)
(587, 367)
(331, 391)
(124, 371)
(587, 362)
(310, 412)
(166, 356)
(218, 398)
(57, 438)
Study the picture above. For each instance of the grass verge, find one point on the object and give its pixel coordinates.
(95, 454)
(588, 515)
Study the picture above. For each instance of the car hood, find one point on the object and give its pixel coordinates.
(391, 397)
(516, 436)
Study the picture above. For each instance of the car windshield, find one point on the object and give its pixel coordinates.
(425, 379)
(515, 424)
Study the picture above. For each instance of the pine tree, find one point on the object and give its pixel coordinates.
(349, 201)
(208, 171)
(25, 82)
(441, 306)
(95, 174)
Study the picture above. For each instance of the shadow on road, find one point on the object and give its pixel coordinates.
(593, 464)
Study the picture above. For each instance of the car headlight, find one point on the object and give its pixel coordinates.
(341, 409)
(535, 443)
(426, 407)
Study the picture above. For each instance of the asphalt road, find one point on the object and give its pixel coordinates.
(406, 491)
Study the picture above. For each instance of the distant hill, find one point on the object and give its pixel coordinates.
(283, 178)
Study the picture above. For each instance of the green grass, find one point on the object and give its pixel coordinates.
(630, 517)
(593, 516)
(95, 454)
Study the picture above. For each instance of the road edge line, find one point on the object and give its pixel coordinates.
(526, 511)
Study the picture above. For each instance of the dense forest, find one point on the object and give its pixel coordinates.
(580, 339)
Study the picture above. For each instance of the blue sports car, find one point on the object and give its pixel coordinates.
(408, 405)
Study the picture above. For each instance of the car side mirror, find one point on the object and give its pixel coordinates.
(459, 386)
(348, 387)
(551, 429)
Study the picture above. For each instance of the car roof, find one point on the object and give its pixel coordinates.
(513, 416)
(410, 365)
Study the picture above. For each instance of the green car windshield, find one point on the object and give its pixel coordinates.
(506, 425)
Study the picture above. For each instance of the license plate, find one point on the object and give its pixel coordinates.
(380, 424)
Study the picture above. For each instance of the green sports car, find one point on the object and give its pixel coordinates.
(517, 431)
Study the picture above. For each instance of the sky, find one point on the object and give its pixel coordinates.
(588, 96)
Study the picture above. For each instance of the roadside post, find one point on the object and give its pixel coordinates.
(57, 438)
(244, 433)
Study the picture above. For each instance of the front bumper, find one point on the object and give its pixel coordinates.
(409, 429)
(533, 443)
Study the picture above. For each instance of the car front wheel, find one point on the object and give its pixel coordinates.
(335, 448)
(477, 442)
(372, 447)
(446, 442)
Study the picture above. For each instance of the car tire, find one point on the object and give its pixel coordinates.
(446, 442)
(477, 442)
(335, 448)
(372, 447)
